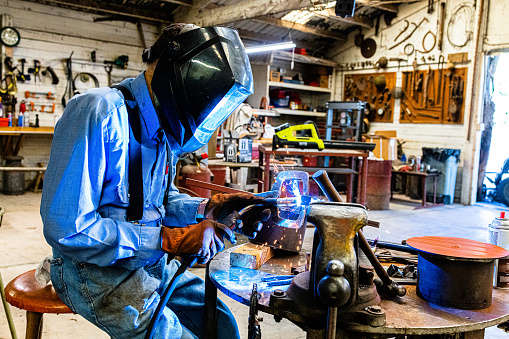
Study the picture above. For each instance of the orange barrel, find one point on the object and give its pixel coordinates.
(219, 175)
(378, 186)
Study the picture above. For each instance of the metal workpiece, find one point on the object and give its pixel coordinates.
(286, 230)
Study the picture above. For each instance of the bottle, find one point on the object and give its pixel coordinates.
(9, 116)
(20, 119)
(1, 109)
(26, 119)
(498, 234)
(36, 120)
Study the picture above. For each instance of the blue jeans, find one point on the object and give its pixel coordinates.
(121, 301)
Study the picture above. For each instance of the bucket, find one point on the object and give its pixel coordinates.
(14, 181)
(498, 234)
(378, 186)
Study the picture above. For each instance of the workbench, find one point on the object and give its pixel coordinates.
(407, 315)
(12, 147)
(241, 169)
(423, 176)
(265, 154)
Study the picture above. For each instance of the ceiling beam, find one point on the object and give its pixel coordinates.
(388, 7)
(105, 7)
(362, 21)
(246, 9)
(178, 2)
(302, 28)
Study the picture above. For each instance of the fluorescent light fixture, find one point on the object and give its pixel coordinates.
(271, 47)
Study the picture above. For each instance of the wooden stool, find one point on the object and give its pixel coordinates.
(26, 293)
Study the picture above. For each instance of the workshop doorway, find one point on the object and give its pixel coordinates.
(493, 180)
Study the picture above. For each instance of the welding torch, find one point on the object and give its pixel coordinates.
(233, 218)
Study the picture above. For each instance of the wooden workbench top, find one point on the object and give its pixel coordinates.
(26, 130)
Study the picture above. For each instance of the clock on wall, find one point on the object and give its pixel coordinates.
(9, 36)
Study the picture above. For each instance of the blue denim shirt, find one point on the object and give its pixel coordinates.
(86, 186)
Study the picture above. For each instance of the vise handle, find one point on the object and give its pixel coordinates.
(322, 179)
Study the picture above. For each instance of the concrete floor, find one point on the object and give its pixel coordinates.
(22, 247)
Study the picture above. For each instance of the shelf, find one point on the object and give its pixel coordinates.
(266, 112)
(306, 59)
(286, 111)
(315, 169)
(301, 87)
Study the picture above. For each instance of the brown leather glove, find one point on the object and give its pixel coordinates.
(221, 206)
(204, 240)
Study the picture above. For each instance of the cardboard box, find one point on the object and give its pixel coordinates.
(245, 152)
(274, 76)
(321, 80)
(235, 149)
(386, 148)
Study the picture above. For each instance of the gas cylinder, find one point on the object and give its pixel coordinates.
(498, 234)
(194, 169)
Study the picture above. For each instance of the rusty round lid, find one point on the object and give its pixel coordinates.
(457, 247)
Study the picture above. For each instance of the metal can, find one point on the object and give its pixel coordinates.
(498, 234)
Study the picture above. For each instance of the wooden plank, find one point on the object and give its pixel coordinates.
(242, 10)
(51, 19)
(303, 28)
(23, 169)
(251, 256)
(106, 7)
(383, 5)
(362, 21)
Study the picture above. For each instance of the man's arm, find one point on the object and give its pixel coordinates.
(181, 209)
(86, 165)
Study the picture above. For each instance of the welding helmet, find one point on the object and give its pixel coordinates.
(201, 77)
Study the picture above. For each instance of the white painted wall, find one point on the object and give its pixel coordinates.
(497, 34)
(50, 34)
(418, 135)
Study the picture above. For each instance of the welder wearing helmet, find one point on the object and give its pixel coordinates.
(106, 266)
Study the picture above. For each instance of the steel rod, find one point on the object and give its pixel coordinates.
(332, 316)
(210, 186)
(323, 181)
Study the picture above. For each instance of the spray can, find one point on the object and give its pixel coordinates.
(9, 116)
(498, 234)
(26, 119)
(20, 119)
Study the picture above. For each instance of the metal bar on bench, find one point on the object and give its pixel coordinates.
(210, 186)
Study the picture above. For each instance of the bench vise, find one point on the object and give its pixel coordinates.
(340, 287)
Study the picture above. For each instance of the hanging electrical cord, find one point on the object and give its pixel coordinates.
(186, 263)
(465, 9)
(68, 86)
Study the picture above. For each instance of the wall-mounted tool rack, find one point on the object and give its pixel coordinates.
(376, 89)
(433, 96)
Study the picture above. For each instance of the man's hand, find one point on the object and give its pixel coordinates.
(204, 239)
(221, 206)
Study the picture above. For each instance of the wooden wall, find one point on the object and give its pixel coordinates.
(416, 136)
(49, 34)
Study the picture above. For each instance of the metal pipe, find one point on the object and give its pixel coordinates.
(209, 186)
(210, 320)
(6, 305)
(323, 181)
(332, 317)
